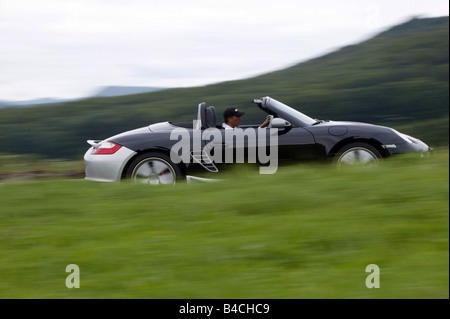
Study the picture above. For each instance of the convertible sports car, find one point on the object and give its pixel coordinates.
(152, 155)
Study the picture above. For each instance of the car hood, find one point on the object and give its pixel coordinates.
(347, 123)
(383, 134)
(342, 127)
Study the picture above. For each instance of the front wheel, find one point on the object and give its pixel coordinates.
(358, 154)
(153, 169)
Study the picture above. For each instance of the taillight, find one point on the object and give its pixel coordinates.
(107, 148)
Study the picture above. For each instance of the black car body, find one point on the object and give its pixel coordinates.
(147, 154)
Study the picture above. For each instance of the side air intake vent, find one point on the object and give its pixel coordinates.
(204, 160)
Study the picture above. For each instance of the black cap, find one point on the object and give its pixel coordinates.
(232, 112)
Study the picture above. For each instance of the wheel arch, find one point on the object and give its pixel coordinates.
(161, 150)
(372, 142)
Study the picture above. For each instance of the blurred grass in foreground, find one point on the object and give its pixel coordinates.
(14, 163)
(308, 231)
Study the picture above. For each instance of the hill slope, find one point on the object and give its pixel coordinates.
(398, 78)
(125, 90)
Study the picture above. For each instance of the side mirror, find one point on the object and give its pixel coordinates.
(279, 123)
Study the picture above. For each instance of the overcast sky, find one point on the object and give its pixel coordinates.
(68, 49)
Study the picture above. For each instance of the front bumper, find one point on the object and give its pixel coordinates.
(106, 167)
(417, 146)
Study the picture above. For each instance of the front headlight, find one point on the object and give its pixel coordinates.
(404, 137)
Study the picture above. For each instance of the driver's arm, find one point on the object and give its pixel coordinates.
(266, 122)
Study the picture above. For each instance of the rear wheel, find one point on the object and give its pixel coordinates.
(358, 154)
(154, 169)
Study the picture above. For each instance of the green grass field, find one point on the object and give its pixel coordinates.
(308, 231)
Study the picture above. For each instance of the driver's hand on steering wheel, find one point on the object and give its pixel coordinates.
(266, 122)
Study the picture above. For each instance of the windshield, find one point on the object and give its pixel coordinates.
(288, 113)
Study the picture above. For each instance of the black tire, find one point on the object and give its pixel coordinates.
(154, 168)
(358, 154)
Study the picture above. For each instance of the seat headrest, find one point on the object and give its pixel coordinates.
(210, 120)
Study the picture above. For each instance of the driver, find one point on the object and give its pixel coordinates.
(232, 118)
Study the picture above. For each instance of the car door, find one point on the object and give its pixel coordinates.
(296, 144)
(250, 145)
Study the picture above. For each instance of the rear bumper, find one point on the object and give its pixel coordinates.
(106, 168)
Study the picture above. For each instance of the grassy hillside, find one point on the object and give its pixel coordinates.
(398, 78)
(288, 235)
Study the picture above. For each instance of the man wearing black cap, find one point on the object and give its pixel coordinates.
(232, 118)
